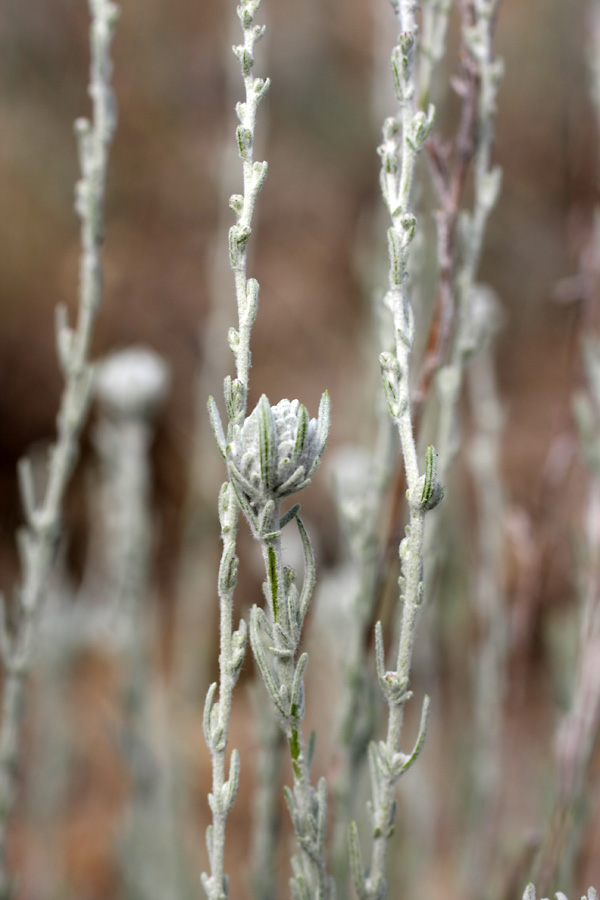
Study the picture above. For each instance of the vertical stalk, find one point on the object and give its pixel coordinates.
(355, 732)
(131, 387)
(232, 644)
(404, 137)
(307, 809)
(38, 539)
(579, 729)
(266, 817)
(434, 26)
(274, 454)
(357, 719)
(478, 31)
(489, 675)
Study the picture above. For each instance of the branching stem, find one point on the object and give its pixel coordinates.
(404, 137)
(38, 539)
(307, 806)
(232, 644)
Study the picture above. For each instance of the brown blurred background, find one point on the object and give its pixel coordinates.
(314, 250)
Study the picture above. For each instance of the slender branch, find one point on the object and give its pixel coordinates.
(449, 167)
(266, 817)
(489, 675)
(307, 807)
(131, 387)
(272, 455)
(361, 487)
(478, 28)
(579, 730)
(404, 137)
(434, 27)
(232, 644)
(479, 17)
(254, 174)
(38, 539)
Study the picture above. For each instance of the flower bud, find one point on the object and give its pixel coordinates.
(277, 449)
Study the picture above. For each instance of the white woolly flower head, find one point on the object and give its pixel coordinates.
(132, 383)
(277, 450)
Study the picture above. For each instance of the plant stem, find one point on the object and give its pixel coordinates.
(232, 645)
(266, 819)
(404, 137)
(357, 714)
(478, 30)
(435, 14)
(38, 539)
(306, 806)
(489, 677)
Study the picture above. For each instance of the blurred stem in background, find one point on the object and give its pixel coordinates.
(266, 817)
(579, 730)
(468, 318)
(464, 257)
(38, 539)
(361, 486)
(131, 388)
(489, 676)
(434, 30)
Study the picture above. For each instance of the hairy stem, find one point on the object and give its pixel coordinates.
(404, 137)
(307, 807)
(232, 645)
(38, 540)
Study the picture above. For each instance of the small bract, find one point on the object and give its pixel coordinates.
(277, 450)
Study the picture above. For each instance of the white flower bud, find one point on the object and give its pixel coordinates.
(277, 449)
(132, 383)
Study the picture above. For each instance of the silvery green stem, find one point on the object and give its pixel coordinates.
(284, 679)
(361, 484)
(592, 55)
(273, 454)
(404, 137)
(243, 204)
(434, 28)
(197, 557)
(217, 714)
(232, 646)
(477, 38)
(131, 386)
(577, 734)
(593, 59)
(50, 730)
(489, 676)
(579, 728)
(472, 226)
(266, 818)
(37, 541)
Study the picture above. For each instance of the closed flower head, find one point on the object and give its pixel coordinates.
(277, 450)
